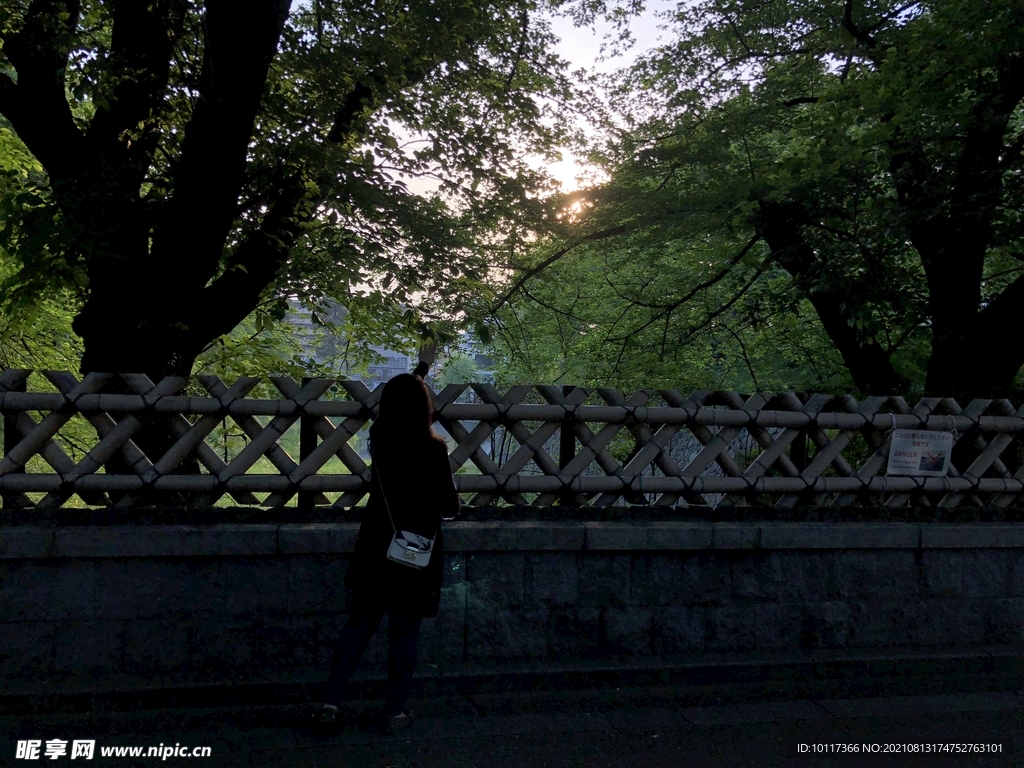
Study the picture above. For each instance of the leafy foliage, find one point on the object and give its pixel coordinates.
(197, 162)
(459, 368)
(821, 195)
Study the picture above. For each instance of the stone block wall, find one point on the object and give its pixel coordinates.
(151, 605)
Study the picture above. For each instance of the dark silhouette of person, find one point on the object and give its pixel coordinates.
(411, 477)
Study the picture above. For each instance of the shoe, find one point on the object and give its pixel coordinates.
(325, 713)
(393, 725)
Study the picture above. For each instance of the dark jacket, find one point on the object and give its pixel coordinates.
(420, 492)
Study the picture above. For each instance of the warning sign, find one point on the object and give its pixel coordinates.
(919, 453)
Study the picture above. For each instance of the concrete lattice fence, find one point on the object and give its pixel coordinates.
(70, 441)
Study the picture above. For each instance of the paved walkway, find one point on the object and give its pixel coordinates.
(647, 727)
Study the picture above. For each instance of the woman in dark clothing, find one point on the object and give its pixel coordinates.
(411, 479)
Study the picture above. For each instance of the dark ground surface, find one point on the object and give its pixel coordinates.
(655, 725)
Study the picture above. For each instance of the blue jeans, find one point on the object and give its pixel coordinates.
(403, 632)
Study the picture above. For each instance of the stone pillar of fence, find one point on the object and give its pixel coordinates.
(307, 444)
(567, 447)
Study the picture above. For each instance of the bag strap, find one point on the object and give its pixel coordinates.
(380, 482)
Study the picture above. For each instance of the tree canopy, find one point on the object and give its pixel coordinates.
(825, 193)
(807, 195)
(186, 164)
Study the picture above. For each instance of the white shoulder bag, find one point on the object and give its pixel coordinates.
(406, 547)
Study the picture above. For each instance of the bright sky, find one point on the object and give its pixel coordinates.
(581, 47)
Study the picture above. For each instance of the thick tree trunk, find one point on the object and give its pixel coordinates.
(949, 209)
(150, 257)
(953, 267)
(869, 364)
(126, 331)
(156, 352)
(171, 266)
(999, 351)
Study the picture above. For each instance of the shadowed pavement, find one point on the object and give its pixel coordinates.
(668, 725)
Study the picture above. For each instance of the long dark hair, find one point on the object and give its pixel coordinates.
(405, 416)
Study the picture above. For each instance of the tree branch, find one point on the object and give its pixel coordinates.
(36, 105)
(746, 357)
(138, 67)
(703, 286)
(369, 93)
(240, 42)
(229, 299)
(861, 35)
(705, 322)
(534, 271)
(257, 261)
(869, 364)
(1012, 153)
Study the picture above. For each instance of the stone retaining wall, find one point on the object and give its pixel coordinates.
(115, 606)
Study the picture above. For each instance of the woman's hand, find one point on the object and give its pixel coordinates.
(427, 354)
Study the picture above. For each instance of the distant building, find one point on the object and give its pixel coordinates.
(486, 366)
(394, 364)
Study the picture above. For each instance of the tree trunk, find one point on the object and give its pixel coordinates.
(949, 210)
(953, 268)
(869, 364)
